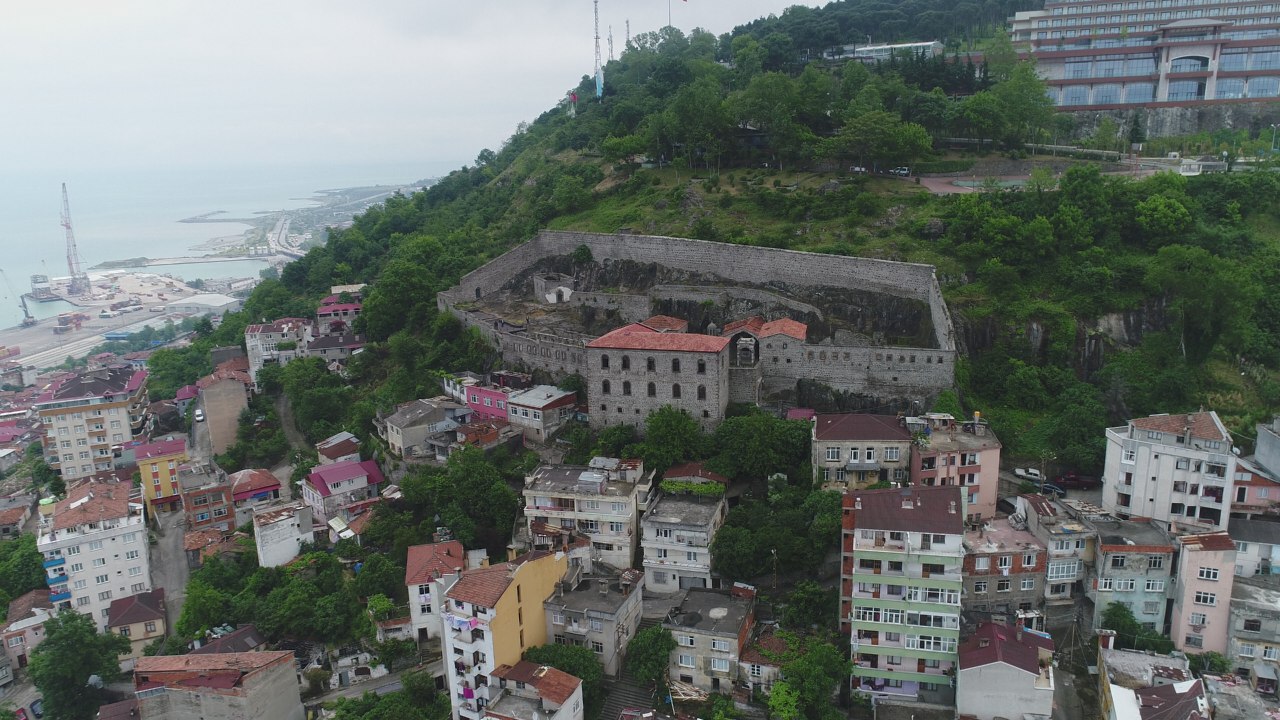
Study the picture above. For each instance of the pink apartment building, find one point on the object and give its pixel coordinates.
(1256, 493)
(955, 452)
(488, 402)
(1202, 594)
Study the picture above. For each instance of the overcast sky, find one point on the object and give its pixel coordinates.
(141, 83)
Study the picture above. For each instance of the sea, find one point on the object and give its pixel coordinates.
(135, 212)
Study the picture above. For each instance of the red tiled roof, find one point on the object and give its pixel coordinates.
(245, 638)
(220, 375)
(123, 710)
(666, 323)
(425, 561)
(336, 308)
(482, 586)
(934, 509)
(252, 481)
(160, 448)
(279, 326)
(358, 523)
(1203, 425)
(324, 476)
(22, 606)
(1040, 505)
(860, 426)
(143, 607)
(13, 515)
(751, 324)
(785, 326)
(552, 684)
(639, 337)
(1165, 702)
(200, 539)
(235, 364)
(212, 663)
(186, 392)
(694, 470)
(767, 642)
(992, 643)
(801, 414)
(92, 501)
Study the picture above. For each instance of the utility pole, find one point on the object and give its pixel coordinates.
(599, 68)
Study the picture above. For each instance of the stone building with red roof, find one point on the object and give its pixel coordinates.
(247, 685)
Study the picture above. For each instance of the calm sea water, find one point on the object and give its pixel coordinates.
(135, 213)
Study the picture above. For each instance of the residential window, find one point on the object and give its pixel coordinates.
(604, 387)
(650, 365)
(597, 647)
(1028, 584)
(891, 454)
(1129, 456)
(982, 563)
(1270, 652)
(757, 671)
(721, 645)
(99, 562)
(124, 631)
(1063, 570)
(833, 453)
(1002, 586)
(1106, 584)
(702, 392)
(1253, 626)
(604, 362)
(1155, 586)
(1207, 573)
(675, 390)
(980, 586)
(685, 640)
(557, 617)
(720, 664)
(131, 555)
(691, 556)
(685, 660)
(653, 389)
(1125, 584)
(1029, 560)
(100, 579)
(1248, 649)
(1118, 561)
(104, 595)
(675, 365)
(1155, 562)
(1004, 562)
(1206, 598)
(596, 625)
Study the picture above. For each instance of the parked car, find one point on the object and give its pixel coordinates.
(1074, 481)
(1054, 490)
(37, 707)
(199, 415)
(901, 171)
(857, 169)
(1030, 474)
(20, 714)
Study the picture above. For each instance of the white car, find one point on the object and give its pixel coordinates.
(1031, 474)
(199, 415)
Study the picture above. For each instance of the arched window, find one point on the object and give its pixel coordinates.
(626, 387)
(626, 362)
(675, 365)
(604, 362)
(702, 392)
(604, 387)
(653, 390)
(702, 367)
(650, 366)
(675, 390)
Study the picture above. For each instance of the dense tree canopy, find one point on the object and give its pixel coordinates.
(71, 652)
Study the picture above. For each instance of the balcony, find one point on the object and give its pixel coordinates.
(59, 596)
(56, 580)
(55, 562)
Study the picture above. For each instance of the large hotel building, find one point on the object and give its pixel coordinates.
(1102, 55)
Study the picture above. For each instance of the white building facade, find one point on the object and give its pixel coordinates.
(677, 533)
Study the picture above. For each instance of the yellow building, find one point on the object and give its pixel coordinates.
(491, 616)
(158, 464)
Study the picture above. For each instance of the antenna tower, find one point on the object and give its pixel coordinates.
(610, 43)
(599, 69)
(79, 281)
(628, 34)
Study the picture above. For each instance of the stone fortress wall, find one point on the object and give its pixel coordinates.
(881, 372)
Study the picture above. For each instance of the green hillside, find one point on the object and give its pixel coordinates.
(1080, 301)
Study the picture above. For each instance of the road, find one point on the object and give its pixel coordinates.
(388, 683)
(169, 564)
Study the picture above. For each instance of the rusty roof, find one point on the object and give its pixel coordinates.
(993, 643)
(552, 684)
(919, 508)
(427, 562)
(22, 606)
(242, 662)
(666, 323)
(142, 607)
(860, 426)
(1213, 542)
(694, 470)
(482, 586)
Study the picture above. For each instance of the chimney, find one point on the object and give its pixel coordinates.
(1106, 639)
(953, 507)
(857, 503)
(603, 584)
(1019, 633)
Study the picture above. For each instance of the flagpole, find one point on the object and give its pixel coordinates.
(668, 13)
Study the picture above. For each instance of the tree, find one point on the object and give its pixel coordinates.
(21, 566)
(1129, 632)
(72, 651)
(204, 608)
(734, 554)
(649, 654)
(814, 675)
(809, 605)
(393, 650)
(378, 575)
(671, 436)
(757, 445)
(784, 701)
(579, 662)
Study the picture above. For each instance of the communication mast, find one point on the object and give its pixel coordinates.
(599, 68)
(610, 43)
(79, 281)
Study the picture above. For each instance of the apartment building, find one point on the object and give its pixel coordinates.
(276, 343)
(1257, 491)
(963, 453)
(1004, 568)
(901, 578)
(600, 611)
(337, 448)
(206, 497)
(430, 570)
(1177, 470)
(1005, 672)
(1253, 645)
(251, 489)
(601, 501)
(856, 450)
(95, 548)
(86, 415)
(330, 489)
(1148, 53)
(280, 531)
(243, 685)
(141, 618)
(491, 616)
(711, 629)
(1257, 547)
(1070, 544)
(24, 625)
(528, 691)
(1199, 619)
(676, 537)
(1130, 681)
(158, 466)
(1133, 565)
(541, 410)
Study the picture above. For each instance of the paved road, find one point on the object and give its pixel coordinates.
(386, 684)
(169, 564)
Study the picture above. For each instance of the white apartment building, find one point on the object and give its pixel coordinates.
(1177, 470)
(276, 342)
(95, 548)
(280, 531)
(602, 501)
(86, 415)
(677, 532)
(430, 570)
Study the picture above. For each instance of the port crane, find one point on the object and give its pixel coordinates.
(27, 319)
(79, 282)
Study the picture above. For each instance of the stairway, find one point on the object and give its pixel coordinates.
(625, 691)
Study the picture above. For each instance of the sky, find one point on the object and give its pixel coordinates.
(136, 84)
